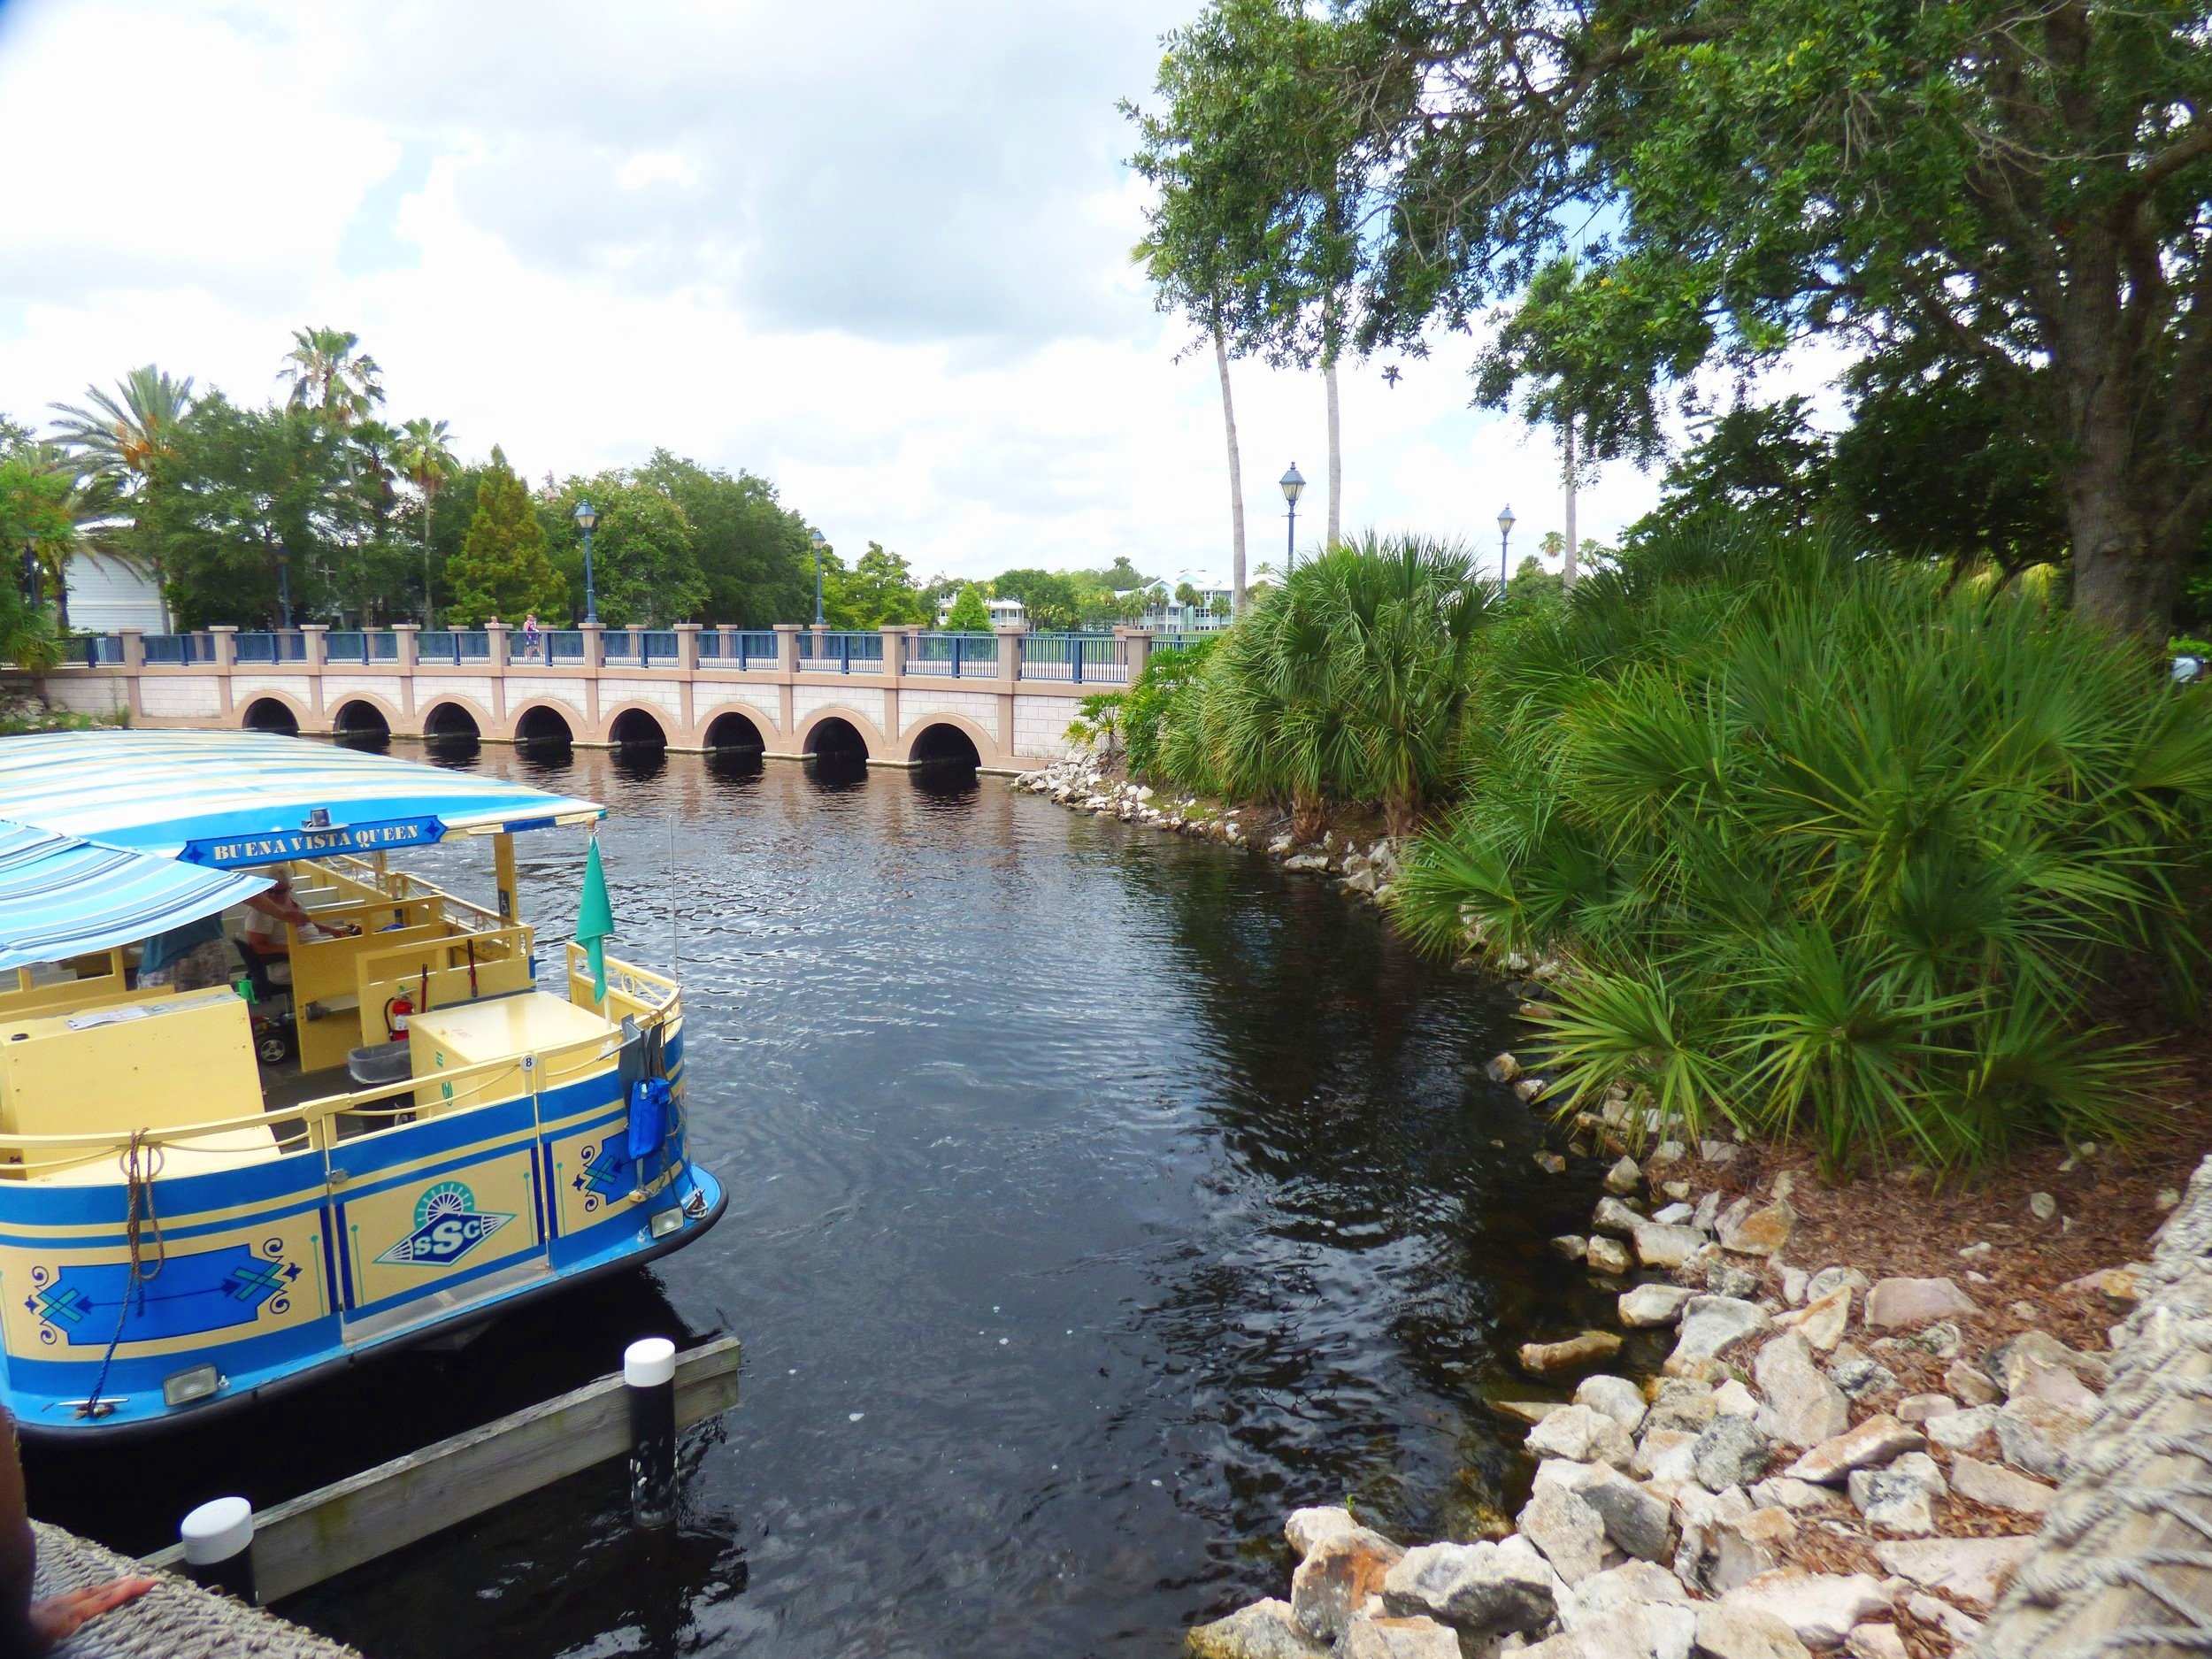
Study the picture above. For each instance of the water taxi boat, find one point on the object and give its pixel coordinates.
(187, 1226)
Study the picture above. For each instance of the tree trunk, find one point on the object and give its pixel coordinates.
(1236, 479)
(1336, 458)
(1567, 571)
(2123, 578)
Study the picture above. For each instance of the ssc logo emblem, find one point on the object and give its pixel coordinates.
(447, 1226)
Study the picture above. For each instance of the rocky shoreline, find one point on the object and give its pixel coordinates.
(1085, 783)
(1832, 1457)
(1825, 1461)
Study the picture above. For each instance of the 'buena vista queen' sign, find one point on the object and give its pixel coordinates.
(228, 853)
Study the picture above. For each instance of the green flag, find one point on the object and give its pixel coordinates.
(594, 921)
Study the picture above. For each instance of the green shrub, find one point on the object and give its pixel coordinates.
(1167, 687)
(1345, 685)
(1830, 849)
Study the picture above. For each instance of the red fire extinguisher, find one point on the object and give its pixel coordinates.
(398, 1007)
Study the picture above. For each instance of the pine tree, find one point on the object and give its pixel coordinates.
(502, 570)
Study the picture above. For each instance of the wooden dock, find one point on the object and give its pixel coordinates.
(324, 1532)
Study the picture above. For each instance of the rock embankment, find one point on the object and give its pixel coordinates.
(1364, 866)
(1827, 1460)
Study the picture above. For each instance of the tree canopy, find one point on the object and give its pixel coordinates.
(2015, 192)
(501, 569)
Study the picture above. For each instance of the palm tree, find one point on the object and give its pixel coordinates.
(330, 373)
(114, 446)
(425, 456)
(121, 436)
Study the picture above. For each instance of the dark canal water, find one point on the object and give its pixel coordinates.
(1096, 1196)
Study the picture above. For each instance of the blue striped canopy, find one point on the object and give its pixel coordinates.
(234, 799)
(62, 897)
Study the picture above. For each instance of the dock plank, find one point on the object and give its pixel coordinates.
(319, 1534)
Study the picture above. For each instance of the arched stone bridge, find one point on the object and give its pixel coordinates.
(898, 697)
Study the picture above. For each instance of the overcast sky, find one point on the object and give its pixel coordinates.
(875, 251)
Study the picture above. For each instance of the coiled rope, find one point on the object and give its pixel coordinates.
(141, 1161)
(2124, 1559)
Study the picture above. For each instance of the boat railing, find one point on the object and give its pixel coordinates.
(630, 990)
(401, 888)
(315, 1125)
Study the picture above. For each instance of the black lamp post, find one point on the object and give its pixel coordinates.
(814, 539)
(284, 586)
(1505, 532)
(585, 518)
(1293, 487)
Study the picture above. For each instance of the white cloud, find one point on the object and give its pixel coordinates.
(876, 252)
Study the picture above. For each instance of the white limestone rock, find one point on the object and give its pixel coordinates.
(1648, 1630)
(1649, 1306)
(1874, 1641)
(1998, 1488)
(1398, 1639)
(1665, 1455)
(1618, 1397)
(1710, 1323)
(1822, 1320)
(1659, 1244)
(1967, 1570)
(2037, 1435)
(1909, 1304)
(1307, 1527)
(1970, 1430)
(1900, 1498)
(1479, 1589)
(1584, 1435)
(1569, 1532)
(1334, 1581)
(1725, 1632)
(1635, 1516)
(1733, 1451)
(1746, 1546)
(1808, 1408)
(1819, 1607)
(1608, 1255)
(1629, 1585)
(1262, 1631)
(1879, 1439)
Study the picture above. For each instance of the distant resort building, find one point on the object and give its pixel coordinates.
(1005, 613)
(107, 594)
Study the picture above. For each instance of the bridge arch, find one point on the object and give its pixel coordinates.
(454, 717)
(846, 731)
(949, 737)
(734, 731)
(764, 732)
(272, 711)
(545, 722)
(637, 725)
(362, 715)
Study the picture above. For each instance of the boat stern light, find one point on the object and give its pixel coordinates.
(667, 1221)
(187, 1387)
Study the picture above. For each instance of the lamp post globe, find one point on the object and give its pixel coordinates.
(1505, 532)
(587, 517)
(1293, 487)
(815, 541)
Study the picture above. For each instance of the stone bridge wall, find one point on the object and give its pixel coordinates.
(1015, 724)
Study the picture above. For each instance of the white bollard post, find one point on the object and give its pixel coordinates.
(648, 1370)
(218, 1539)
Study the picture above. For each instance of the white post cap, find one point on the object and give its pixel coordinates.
(649, 1363)
(217, 1531)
